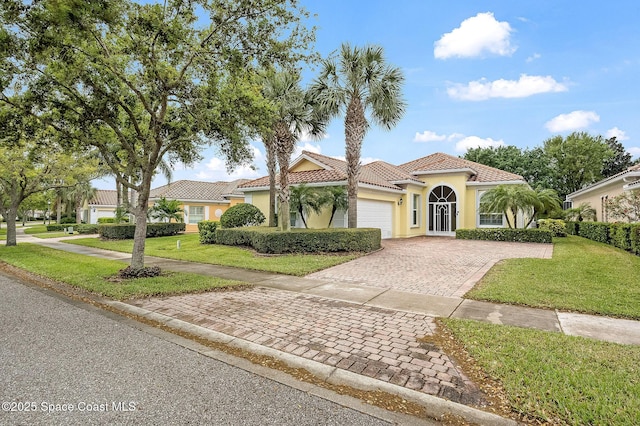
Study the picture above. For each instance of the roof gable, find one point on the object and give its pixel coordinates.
(197, 190)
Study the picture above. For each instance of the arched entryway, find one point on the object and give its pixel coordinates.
(442, 211)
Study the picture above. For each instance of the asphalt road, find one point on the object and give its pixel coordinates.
(63, 362)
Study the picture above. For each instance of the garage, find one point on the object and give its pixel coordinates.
(376, 214)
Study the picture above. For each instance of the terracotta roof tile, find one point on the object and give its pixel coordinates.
(104, 197)
(442, 162)
(197, 190)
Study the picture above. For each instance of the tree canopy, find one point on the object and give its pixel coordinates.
(145, 83)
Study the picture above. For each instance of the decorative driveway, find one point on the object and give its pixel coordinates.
(438, 266)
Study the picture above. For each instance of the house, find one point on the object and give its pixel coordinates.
(200, 200)
(103, 204)
(596, 195)
(433, 195)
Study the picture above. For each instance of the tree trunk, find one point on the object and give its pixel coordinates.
(58, 209)
(285, 143)
(12, 213)
(271, 168)
(140, 235)
(355, 127)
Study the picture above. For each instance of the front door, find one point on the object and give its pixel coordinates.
(442, 211)
(443, 217)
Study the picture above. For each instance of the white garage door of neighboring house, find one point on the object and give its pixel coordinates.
(376, 214)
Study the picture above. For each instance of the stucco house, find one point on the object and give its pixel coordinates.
(200, 200)
(596, 195)
(432, 195)
(103, 204)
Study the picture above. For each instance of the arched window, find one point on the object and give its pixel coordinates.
(442, 210)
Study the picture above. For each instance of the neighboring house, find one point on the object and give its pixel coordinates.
(103, 204)
(433, 195)
(596, 195)
(200, 200)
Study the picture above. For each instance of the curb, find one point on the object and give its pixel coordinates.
(436, 407)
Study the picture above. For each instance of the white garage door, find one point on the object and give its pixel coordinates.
(376, 214)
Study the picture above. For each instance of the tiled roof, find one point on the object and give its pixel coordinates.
(197, 190)
(618, 177)
(104, 197)
(385, 175)
(443, 162)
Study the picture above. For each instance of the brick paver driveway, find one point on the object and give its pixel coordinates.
(440, 266)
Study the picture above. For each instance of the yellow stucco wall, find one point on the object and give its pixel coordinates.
(594, 198)
(304, 166)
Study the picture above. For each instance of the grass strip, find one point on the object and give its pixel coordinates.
(191, 250)
(583, 276)
(556, 378)
(97, 275)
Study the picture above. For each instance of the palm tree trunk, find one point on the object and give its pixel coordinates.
(285, 143)
(271, 168)
(355, 125)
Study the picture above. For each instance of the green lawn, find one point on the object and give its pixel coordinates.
(557, 378)
(191, 250)
(91, 273)
(583, 276)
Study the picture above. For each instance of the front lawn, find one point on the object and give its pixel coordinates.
(191, 250)
(93, 274)
(556, 378)
(583, 276)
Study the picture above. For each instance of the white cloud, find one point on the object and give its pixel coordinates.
(305, 147)
(216, 170)
(527, 85)
(634, 151)
(477, 142)
(534, 57)
(428, 136)
(474, 37)
(572, 121)
(620, 135)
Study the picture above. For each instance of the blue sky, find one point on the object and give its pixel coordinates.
(480, 73)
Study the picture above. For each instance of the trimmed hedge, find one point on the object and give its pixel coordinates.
(56, 227)
(273, 241)
(126, 231)
(506, 234)
(635, 239)
(596, 231)
(102, 220)
(557, 226)
(207, 230)
(573, 228)
(242, 214)
(620, 235)
(86, 229)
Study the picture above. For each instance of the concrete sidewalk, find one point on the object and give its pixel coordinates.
(348, 333)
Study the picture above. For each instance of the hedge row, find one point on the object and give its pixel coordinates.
(273, 241)
(556, 226)
(207, 230)
(126, 231)
(506, 234)
(622, 235)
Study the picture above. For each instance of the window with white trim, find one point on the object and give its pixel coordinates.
(416, 209)
(489, 220)
(196, 214)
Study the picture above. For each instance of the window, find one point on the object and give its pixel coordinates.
(490, 220)
(416, 209)
(196, 214)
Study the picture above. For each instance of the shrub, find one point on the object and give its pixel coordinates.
(556, 226)
(506, 234)
(596, 231)
(102, 220)
(243, 214)
(56, 227)
(573, 228)
(271, 240)
(87, 229)
(635, 239)
(127, 231)
(207, 230)
(620, 235)
(67, 220)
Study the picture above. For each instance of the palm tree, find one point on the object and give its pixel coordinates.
(583, 212)
(336, 198)
(272, 156)
(166, 210)
(293, 116)
(546, 200)
(78, 194)
(509, 200)
(305, 200)
(360, 82)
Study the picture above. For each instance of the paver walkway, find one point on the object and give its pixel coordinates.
(438, 266)
(378, 343)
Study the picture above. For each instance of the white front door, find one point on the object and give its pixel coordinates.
(442, 211)
(443, 217)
